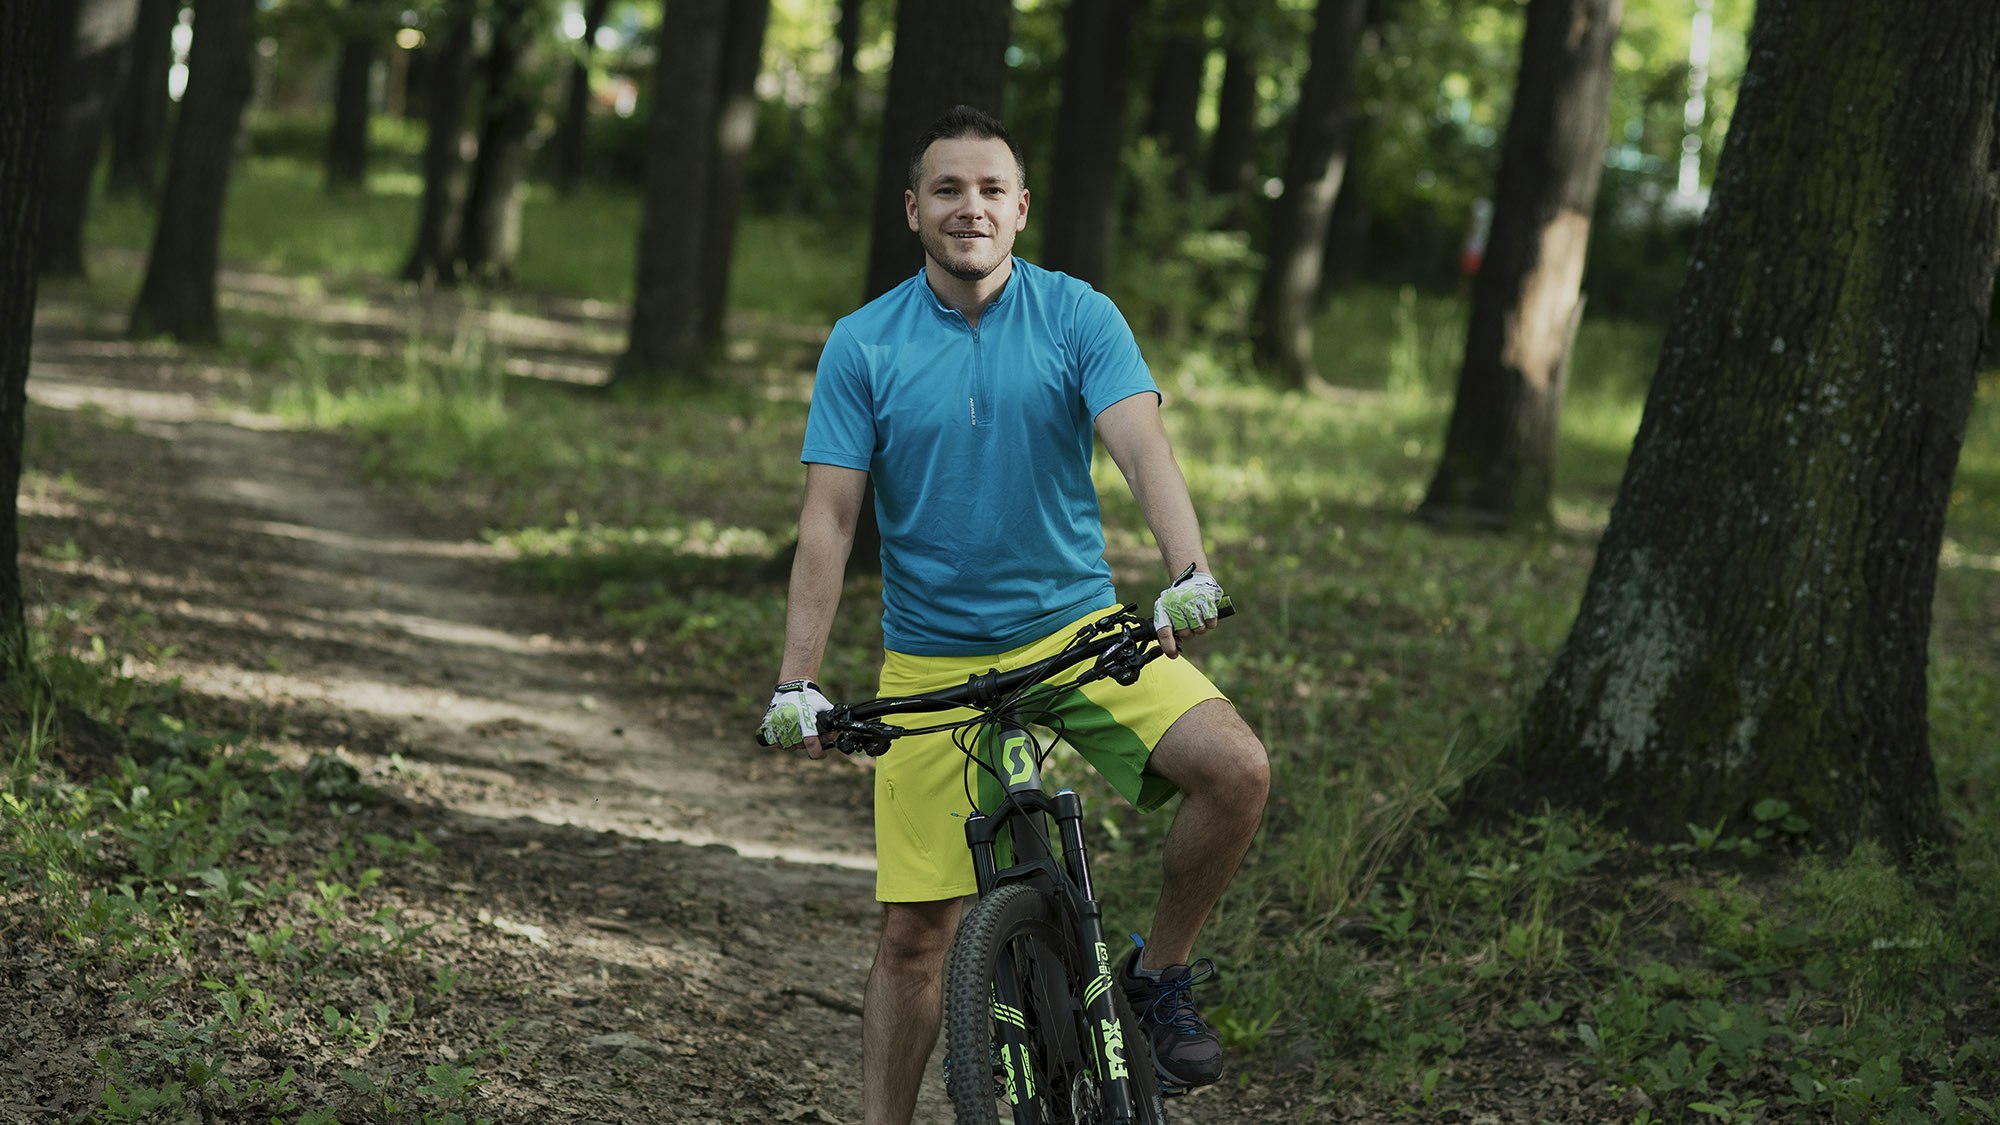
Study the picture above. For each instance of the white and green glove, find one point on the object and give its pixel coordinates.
(1190, 603)
(794, 714)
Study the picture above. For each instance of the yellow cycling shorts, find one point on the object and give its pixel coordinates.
(922, 783)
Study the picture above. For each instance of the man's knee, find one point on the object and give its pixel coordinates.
(1246, 766)
(1212, 751)
(917, 934)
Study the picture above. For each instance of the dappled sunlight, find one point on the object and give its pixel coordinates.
(1955, 557)
(397, 545)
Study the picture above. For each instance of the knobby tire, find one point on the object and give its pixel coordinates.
(1016, 920)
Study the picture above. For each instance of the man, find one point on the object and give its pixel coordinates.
(969, 394)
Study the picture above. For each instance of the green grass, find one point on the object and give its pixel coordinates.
(1723, 975)
(215, 905)
(585, 246)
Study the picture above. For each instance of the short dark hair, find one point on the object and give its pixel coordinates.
(965, 121)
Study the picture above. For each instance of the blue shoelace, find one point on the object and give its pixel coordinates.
(1173, 1005)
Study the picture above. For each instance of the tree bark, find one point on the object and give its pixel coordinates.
(1757, 622)
(1232, 150)
(1499, 460)
(178, 296)
(1081, 213)
(1173, 107)
(946, 55)
(1353, 214)
(139, 116)
(347, 140)
(735, 132)
(576, 103)
(844, 129)
(1314, 163)
(665, 340)
(85, 86)
(433, 258)
(27, 47)
(490, 233)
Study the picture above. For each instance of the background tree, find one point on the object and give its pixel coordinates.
(735, 131)
(1232, 149)
(1498, 465)
(433, 257)
(1080, 211)
(94, 44)
(27, 35)
(489, 234)
(177, 297)
(946, 55)
(1314, 162)
(665, 339)
(1173, 101)
(361, 28)
(575, 124)
(1757, 621)
(139, 116)
(844, 115)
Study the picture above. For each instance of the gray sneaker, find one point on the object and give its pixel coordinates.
(1186, 1051)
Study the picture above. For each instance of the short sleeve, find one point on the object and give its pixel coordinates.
(840, 424)
(1107, 354)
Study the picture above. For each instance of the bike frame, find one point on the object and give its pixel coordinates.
(1024, 811)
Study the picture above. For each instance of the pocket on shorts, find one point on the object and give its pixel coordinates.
(916, 839)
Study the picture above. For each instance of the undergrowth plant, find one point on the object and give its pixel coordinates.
(215, 894)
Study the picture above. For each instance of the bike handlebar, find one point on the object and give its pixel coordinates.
(1125, 644)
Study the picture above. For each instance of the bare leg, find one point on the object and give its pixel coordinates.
(904, 1006)
(1224, 775)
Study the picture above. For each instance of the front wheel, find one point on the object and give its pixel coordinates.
(1018, 1045)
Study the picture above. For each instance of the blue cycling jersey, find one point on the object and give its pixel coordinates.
(979, 443)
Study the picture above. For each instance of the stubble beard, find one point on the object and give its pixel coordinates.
(946, 252)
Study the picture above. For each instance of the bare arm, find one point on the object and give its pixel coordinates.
(826, 535)
(1137, 440)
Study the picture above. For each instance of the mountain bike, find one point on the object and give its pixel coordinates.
(1035, 1026)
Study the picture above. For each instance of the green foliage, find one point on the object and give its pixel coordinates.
(153, 876)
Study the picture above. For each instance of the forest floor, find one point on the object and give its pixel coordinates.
(677, 924)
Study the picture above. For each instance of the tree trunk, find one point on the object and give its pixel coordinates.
(1232, 150)
(178, 296)
(490, 237)
(1082, 209)
(576, 103)
(139, 116)
(434, 256)
(85, 86)
(1757, 622)
(1353, 214)
(1498, 466)
(28, 33)
(946, 55)
(347, 141)
(844, 130)
(1314, 162)
(1172, 113)
(735, 131)
(665, 338)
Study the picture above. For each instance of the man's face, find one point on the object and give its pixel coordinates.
(968, 205)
